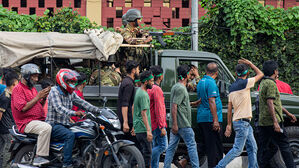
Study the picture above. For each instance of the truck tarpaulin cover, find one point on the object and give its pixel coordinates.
(17, 48)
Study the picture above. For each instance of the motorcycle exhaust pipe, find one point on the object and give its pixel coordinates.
(18, 165)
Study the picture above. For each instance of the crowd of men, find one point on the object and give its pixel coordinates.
(143, 115)
(142, 112)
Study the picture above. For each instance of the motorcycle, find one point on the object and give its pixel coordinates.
(95, 145)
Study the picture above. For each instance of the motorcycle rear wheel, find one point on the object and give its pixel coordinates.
(24, 155)
(129, 157)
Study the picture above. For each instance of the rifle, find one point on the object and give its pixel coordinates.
(160, 34)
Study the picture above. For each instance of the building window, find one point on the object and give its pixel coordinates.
(119, 12)
(5, 3)
(175, 13)
(128, 3)
(147, 3)
(166, 3)
(14, 9)
(51, 11)
(166, 22)
(110, 22)
(58, 3)
(185, 22)
(77, 3)
(41, 3)
(185, 3)
(148, 22)
(109, 3)
(23, 3)
(31, 11)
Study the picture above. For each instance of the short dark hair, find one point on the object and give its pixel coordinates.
(269, 67)
(241, 70)
(131, 64)
(4, 71)
(212, 69)
(46, 83)
(182, 71)
(156, 70)
(10, 78)
(144, 75)
(82, 78)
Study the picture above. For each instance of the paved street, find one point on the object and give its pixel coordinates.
(239, 162)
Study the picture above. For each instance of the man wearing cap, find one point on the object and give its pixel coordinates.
(239, 99)
(142, 117)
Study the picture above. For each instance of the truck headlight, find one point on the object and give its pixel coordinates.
(115, 123)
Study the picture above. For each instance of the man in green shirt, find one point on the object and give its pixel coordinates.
(271, 128)
(180, 119)
(142, 117)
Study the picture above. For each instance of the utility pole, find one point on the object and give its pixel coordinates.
(194, 25)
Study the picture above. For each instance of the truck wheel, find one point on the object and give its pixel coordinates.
(293, 134)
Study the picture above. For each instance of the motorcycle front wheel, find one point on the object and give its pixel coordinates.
(129, 157)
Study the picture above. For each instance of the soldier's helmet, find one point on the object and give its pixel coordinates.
(133, 14)
(124, 20)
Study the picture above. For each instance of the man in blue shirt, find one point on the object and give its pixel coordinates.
(209, 116)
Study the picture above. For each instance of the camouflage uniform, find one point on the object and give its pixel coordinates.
(134, 53)
(109, 77)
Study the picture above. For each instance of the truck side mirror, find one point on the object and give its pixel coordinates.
(222, 89)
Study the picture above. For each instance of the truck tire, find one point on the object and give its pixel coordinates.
(293, 135)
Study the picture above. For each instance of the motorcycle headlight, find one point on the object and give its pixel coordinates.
(115, 123)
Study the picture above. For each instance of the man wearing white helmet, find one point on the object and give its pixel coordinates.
(27, 109)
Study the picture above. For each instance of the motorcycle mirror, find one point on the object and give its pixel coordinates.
(105, 99)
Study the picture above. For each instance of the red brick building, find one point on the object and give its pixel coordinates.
(162, 14)
(38, 7)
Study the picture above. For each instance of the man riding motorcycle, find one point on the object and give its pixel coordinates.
(27, 109)
(61, 100)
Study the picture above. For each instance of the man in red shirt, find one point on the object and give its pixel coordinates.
(79, 91)
(158, 116)
(27, 110)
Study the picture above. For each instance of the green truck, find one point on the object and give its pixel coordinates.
(170, 60)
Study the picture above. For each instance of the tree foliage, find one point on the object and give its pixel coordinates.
(231, 29)
(236, 29)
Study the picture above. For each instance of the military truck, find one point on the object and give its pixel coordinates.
(85, 58)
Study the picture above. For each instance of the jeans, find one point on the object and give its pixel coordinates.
(210, 143)
(244, 136)
(61, 133)
(146, 148)
(267, 136)
(187, 135)
(159, 146)
(4, 143)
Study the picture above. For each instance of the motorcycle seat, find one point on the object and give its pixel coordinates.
(15, 132)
